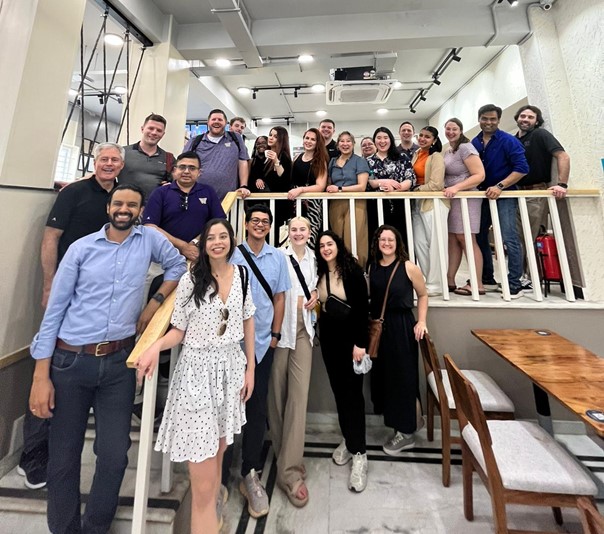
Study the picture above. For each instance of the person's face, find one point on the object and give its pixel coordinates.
(527, 120)
(489, 122)
(108, 164)
(328, 248)
(218, 242)
(382, 142)
(124, 209)
(299, 232)
(425, 139)
(406, 132)
(367, 148)
(452, 132)
(238, 127)
(186, 172)
(327, 130)
(261, 145)
(153, 132)
(345, 145)
(259, 225)
(387, 243)
(309, 141)
(216, 124)
(272, 139)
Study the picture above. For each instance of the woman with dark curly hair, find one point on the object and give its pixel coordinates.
(394, 376)
(343, 326)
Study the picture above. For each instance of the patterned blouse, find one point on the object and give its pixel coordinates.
(395, 170)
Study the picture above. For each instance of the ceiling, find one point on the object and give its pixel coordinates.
(263, 40)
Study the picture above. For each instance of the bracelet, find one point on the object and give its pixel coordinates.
(562, 185)
(277, 164)
(244, 186)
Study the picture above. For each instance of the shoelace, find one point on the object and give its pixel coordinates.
(398, 437)
(256, 488)
(357, 465)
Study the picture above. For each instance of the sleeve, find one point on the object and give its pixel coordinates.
(435, 181)
(466, 150)
(189, 144)
(243, 153)
(180, 316)
(61, 212)
(154, 208)
(287, 172)
(283, 283)
(330, 167)
(216, 211)
(362, 166)
(63, 288)
(249, 309)
(406, 171)
(173, 262)
(516, 156)
(550, 143)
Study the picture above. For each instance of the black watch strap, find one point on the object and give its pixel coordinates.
(276, 335)
(562, 185)
(159, 297)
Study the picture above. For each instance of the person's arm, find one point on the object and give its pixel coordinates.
(188, 250)
(516, 156)
(243, 169)
(419, 284)
(563, 166)
(49, 254)
(279, 313)
(476, 170)
(42, 393)
(148, 360)
(356, 293)
(152, 306)
(249, 348)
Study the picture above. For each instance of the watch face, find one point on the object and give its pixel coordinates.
(500, 185)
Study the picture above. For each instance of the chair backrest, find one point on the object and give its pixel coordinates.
(469, 411)
(431, 365)
(591, 520)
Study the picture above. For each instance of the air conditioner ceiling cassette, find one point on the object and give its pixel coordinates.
(358, 92)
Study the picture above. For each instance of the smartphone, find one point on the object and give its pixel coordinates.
(596, 415)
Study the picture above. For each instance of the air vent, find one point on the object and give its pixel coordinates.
(358, 92)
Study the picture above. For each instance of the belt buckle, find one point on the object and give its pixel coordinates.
(98, 346)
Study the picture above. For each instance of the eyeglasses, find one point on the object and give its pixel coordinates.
(260, 222)
(190, 168)
(184, 202)
(224, 316)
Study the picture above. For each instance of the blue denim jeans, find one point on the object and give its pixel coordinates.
(82, 381)
(507, 208)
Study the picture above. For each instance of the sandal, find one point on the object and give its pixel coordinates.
(452, 287)
(293, 493)
(467, 291)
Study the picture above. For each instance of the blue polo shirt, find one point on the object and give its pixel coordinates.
(503, 155)
(273, 266)
(182, 215)
(347, 175)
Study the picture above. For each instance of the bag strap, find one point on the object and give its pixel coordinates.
(244, 281)
(256, 271)
(387, 290)
(198, 139)
(296, 267)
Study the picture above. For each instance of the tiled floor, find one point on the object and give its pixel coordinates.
(403, 495)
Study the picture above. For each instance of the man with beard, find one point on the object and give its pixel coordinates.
(327, 127)
(87, 333)
(406, 133)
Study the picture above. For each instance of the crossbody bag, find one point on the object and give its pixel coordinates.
(376, 326)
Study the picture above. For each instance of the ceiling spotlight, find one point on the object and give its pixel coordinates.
(305, 58)
(397, 85)
(113, 39)
(422, 97)
(254, 94)
(436, 81)
(266, 120)
(119, 100)
(244, 90)
(101, 99)
(120, 90)
(513, 3)
(73, 92)
(382, 111)
(295, 92)
(456, 58)
(321, 113)
(411, 110)
(317, 88)
(223, 63)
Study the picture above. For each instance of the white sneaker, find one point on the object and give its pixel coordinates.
(398, 443)
(358, 473)
(341, 456)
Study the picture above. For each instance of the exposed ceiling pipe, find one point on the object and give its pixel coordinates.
(530, 22)
(495, 25)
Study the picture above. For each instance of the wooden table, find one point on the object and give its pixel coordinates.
(558, 367)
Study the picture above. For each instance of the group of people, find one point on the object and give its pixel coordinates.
(246, 315)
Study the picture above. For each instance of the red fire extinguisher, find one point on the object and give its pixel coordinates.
(547, 252)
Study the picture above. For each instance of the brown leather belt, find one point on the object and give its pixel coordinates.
(98, 349)
(541, 185)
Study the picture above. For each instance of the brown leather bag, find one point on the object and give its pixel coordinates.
(376, 325)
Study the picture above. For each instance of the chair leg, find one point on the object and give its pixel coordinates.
(430, 416)
(468, 504)
(557, 515)
(446, 448)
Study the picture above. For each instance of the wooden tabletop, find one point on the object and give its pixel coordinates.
(567, 371)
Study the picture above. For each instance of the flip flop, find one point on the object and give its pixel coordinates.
(467, 291)
(292, 494)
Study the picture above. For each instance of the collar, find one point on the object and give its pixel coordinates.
(174, 186)
(495, 135)
(266, 249)
(102, 233)
(97, 187)
(137, 146)
(289, 251)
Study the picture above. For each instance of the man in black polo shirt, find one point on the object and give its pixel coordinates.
(80, 209)
(328, 128)
(146, 164)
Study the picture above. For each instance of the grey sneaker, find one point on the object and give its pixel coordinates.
(257, 499)
(398, 443)
(358, 473)
(223, 496)
(341, 456)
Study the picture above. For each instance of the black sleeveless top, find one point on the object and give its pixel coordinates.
(400, 296)
(302, 174)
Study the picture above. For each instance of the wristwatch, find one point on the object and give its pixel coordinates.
(276, 335)
(159, 297)
(340, 188)
(501, 186)
(562, 185)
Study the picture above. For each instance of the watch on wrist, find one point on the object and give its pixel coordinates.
(244, 186)
(276, 335)
(501, 186)
(340, 188)
(562, 185)
(159, 297)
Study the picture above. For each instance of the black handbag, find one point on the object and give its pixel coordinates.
(334, 306)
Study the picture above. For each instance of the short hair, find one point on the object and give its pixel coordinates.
(406, 122)
(106, 146)
(488, 108)
(127, 187)
(235, 119)
(217, 110)
(262, 208)
(189, 154)
(156, 118)
(535, 110)
(329, 121)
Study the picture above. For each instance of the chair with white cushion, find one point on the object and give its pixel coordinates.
(518, 461)
(496, 404)
(591, 519)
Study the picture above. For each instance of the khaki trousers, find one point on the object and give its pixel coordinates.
(339, 220)
(287, 400)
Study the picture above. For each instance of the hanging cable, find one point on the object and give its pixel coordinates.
(129, 93)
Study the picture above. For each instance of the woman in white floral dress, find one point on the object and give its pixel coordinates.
(213, 378)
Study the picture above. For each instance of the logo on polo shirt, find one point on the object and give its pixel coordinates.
(203, 200)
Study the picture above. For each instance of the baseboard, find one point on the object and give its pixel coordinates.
(14, 357)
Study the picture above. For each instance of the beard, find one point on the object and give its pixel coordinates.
(122, 225)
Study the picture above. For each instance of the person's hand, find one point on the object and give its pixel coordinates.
(146, 316)
(190, 251)
(559, 192)
(248, 385)
(357, 353)
(388, 185)
(274, 342)
(312, 302)
(450, 192)
(493, 192)
(243, 192)
(260, 184)
(420, 329)
(293, 193)
(42, 398)
(271, 154)
(332, 189)
(146, 363)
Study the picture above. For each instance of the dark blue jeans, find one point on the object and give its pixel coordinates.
(506, 208)
(83, 381)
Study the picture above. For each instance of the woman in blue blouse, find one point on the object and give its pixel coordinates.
(348, 173)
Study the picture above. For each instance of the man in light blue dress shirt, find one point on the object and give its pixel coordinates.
(87, 333)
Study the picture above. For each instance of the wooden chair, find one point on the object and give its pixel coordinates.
(518, 461)
(496, 404)
(591, 519)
